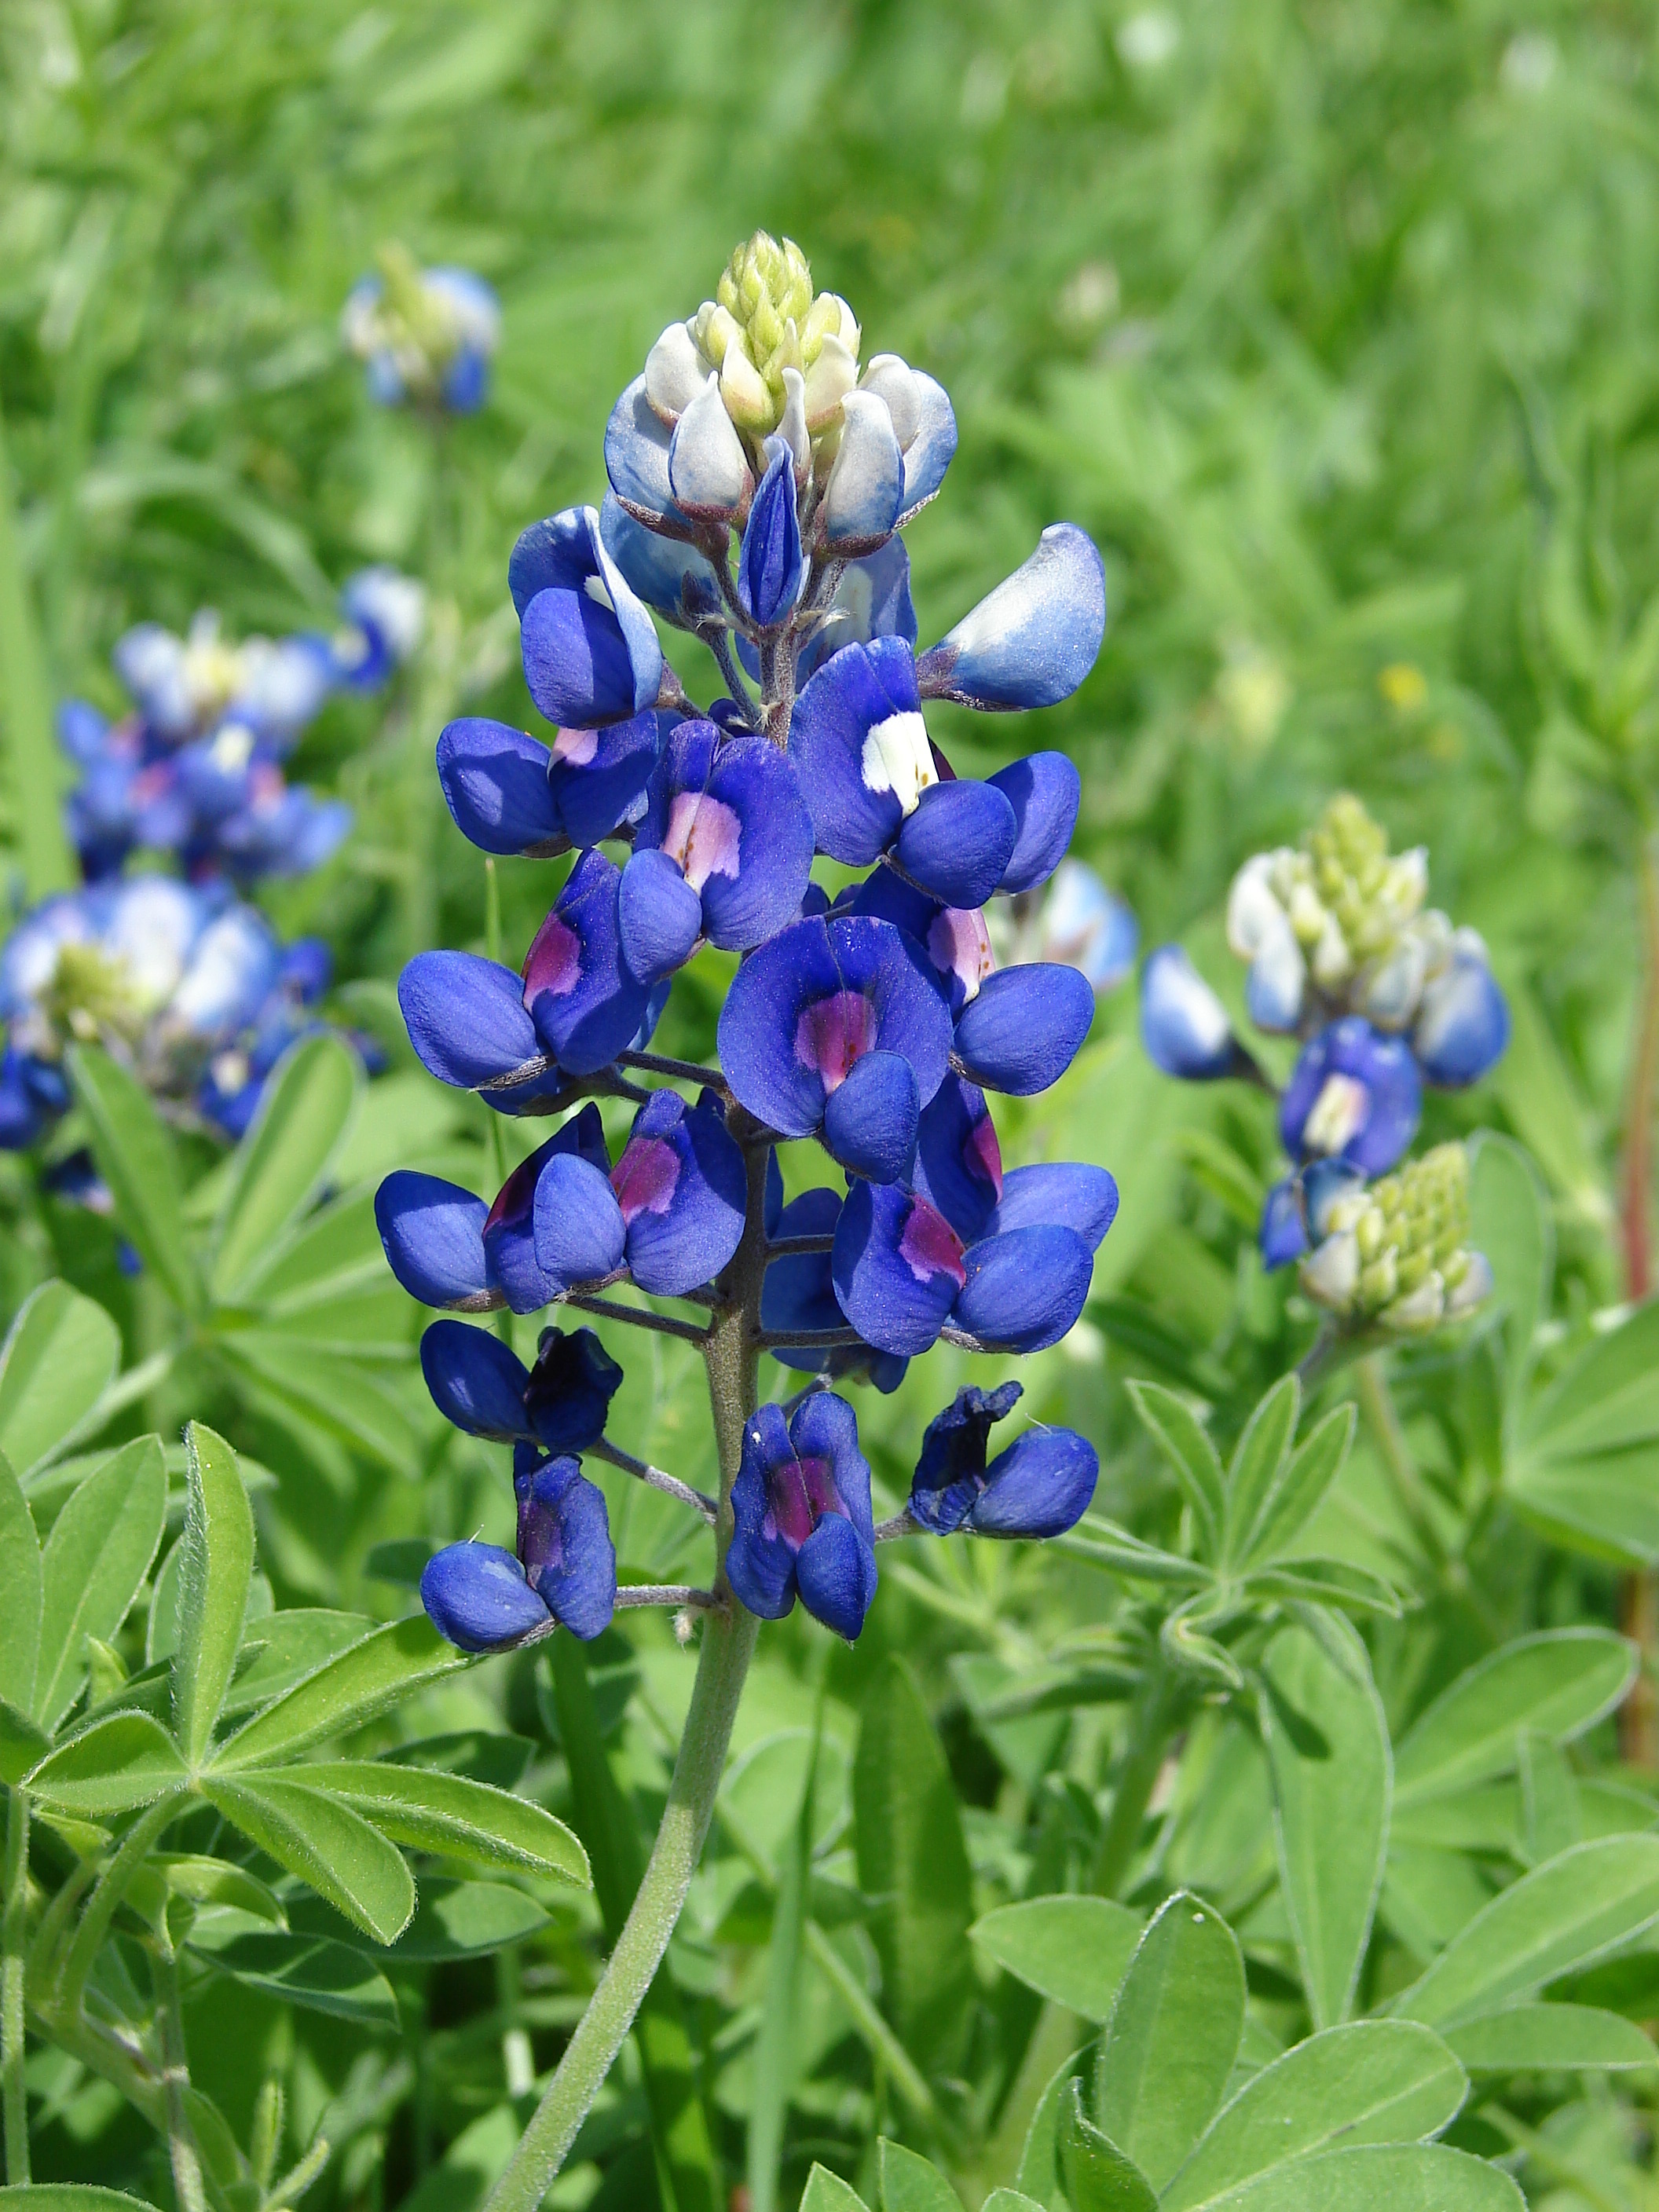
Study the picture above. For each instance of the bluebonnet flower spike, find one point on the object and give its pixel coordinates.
(1354, 1095)
(1039, 1486)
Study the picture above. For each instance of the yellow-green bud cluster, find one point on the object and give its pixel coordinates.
(762, 322)
(417, 323)
(1397, 1254)
(92, 993)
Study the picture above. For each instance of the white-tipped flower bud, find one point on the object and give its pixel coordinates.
(707, 473)
(676, 371)
(890, 379)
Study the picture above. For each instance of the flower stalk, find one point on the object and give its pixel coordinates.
(14, 1940)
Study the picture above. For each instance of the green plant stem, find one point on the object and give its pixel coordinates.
(1377, 1403)
(13, 1963)
(32, 758)
(1638, 1604)
(101, 1907)
(731, 1354)
(186, 2158)
(1151, 1723)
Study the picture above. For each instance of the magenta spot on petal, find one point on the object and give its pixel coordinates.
(800, 1492)
(516, 1196)
(644, 1177)
(541, 1535)
(929, 1246)
(553, 965)
(982, 1153)
(575, 748)
(703, 836)
(959, 945)
(834, 1034)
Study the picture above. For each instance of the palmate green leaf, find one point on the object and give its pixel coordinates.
(1292, 1499)
(1259, 1463)
(321, 1976)
(1075, 1950)
(1328, 1748)
(1550, 2038)
(1326, 1582)
(913, 1860)
(1574, 1908)
(203, 1881)
(112, 1766)
(346, 1397)
(1382, 2177)
(1372, 2082)
(327, 1846)
(1510, 1225)
(1038, 2173)
(1558, 1684)
(279, 1163)
(467, 1920)
(1585, 1467)
(59, 1357)
(1005, 2200)
(290, 1645)
(909, 2184)
(20, 1594)
(216, 1567)
(21, 1744)
(1172, 2039)
(1191, 1456)
(432, 1811)
(92, 1566)
(363, 1681)
(69, 2197)
(828, 2192)
(135, 1157)
(1098, 2176)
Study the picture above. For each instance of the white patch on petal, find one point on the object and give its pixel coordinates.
(576, 748)
(1339, 1112)
(897, 758)
(704, 835)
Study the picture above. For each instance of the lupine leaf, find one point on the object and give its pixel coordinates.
(1098, 2176)
(327, 1844)
(216, 1567)
(1327, 1747)
(115, 1764)
(1542, 2038)
(1190, 1453)
(68, 2197)
(60, 1355)
(21, 1744)
(20, 1593)
(1558, 1684)
(1038, 2173)
(134, 1153)
(93, 1565)
(335, 1978)
(1380, 2178)
(1075, 1950)
(1259, 1461)
(828, 2192)
(1169, 2046)
(1372, 2082)
(306, 1103)
(215, 1881)
(344, 1692)
(909, 2184)
(1509, 1223)
(431, 1811)
(468, 1920)
(1292, 1499)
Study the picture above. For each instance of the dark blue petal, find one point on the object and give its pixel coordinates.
(564, 1541)
(432, 1232)
(568, 1394)
(1354, 1095)
(730, 813)
(466, 1017)
(799, 1293)
(510, 1233)
(836, 1575)
(477, 1382)
(494, 781)
(1462, 1027)
(950, 1468)
(873, 599)
(861, 689)
(1284, 1233)
(1025, 1290)
(82, 732)
(1183, 1026)
(759, 1564)
(957, 840)
(22, 1116)
(598, 777)
(476, 1596)
(664, 572)
(897, 1267)
(1045, 790)
(658, 916)
(579, 1229)
(682, 1187)
(770, 567)
(1022, 1030)
(1041, 1485)
(591, 653)
(870, 1120)
(1079, 1198)
(958, 1163)
(586, 1005)
(1035, 639)
(825, 1427)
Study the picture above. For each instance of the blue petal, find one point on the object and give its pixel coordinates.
(1025, 1290)
(950, 1466)
(1044, 790)
(432, 1232)
(466, 1017)
(475, 1380)
(729, 812)
(567, 1398)
(825, 1427)
(857, 690)
(799, 1293)
(1023, 1032)
(956, 842)
(1041, 1485)
(637, 440)
(771, 569)
(599, 777)
(586, 662)
(873, 599)
(666, 573)
(682, 1186)
(897, 1268)
(835, 1574)
(1183, 1026)
(1063, 1192)
(509, 1232)
(658, 916)
(865, 489)
(1283, 1234)
(1462, 1027)
(579, 1229)
(82, 732)
(1035, 639)
(959, 1166)
(584, 1002)
(1089, 927)
(931, 450)
(565, 1542)
(1378, 1097)
(476, 1596)
(870, 1120)
(494, 781)
(759, 1564)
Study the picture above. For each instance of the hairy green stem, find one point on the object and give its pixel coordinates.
(1151, 1723)
(112, 1889)
(13, 1962)
(186, 2158)
(731, 1352)
(1377, 1403)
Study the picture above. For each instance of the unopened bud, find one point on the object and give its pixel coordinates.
(1398, 1254)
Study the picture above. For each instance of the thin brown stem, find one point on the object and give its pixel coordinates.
(678, 1070)
(654, 1478)
(684, 1595)
(637, 1317)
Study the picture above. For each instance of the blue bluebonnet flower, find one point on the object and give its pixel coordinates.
(1183, 1024)
(562, 1571)
(425, 335)
(383, 617)
(803, 1527)
(758, 476)
(1354, 1095)
(1039, 1486)
(486, 1389)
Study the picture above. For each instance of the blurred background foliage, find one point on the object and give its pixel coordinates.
(1334, 323)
